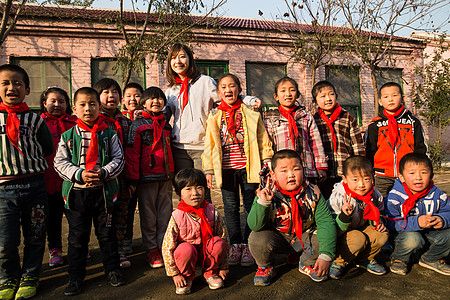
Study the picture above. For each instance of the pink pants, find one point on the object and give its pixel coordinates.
(187, 255)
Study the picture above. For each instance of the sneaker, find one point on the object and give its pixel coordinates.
(293, 258)
(154, 258)
(27, 287)
(55, 257)
(372, 266)
(115, 278)
(185, 289)
(8, 289)
(127, 247)
(336, 271)
(246, 258)
(73, 287)
(398, 267)
(264, 276)
(311, 272)
(214, 282)
(439, 266)
(124, 262)
(235, 255)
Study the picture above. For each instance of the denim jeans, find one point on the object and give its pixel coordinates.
(23, 202)
(232, 180)
(408, 242)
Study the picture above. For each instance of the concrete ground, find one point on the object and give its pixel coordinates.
(146, 283)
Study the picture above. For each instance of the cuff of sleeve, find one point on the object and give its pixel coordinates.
(209, 172)
(325, 257)
(78, 175)
(263, 203)
(344, 218)
(104, 174)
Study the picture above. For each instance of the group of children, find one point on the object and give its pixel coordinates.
(317, 199)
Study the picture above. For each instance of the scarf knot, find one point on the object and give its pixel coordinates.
(412, 199)
(13, 122)
(231, 110)
(158, 126)
(116, 123)
(393, 125)
(330, 120)
(371, 212)
(184, 93)
(92, 152)
(293, 129)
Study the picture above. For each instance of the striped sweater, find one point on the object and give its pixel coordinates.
(35, 142)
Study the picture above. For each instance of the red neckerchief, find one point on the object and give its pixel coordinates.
(157, 127)
(371, 212)
(128, 114)
(61, 125)
(231, 126)
(13, 122)
(205, 227)
(411, 201)
(289, 115)
(330, 120)
(92, 152)
(116, 123)
(393, 126)
(296, 217)
(183, 91)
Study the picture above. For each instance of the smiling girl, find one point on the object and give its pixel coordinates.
(236, 134)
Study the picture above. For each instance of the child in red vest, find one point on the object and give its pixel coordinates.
(149, 167)
(56, 112)
(392, 135)
(196, 235)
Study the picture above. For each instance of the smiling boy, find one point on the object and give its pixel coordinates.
(420, 213)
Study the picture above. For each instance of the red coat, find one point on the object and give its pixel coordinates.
(52, 180)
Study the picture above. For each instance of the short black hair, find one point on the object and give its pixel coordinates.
(391, 84)
(86, 91)
(188, 177)
(357, 163)
(55, 89)
(133, 85)
(282, 154)
(18, 69)
(150, 93)
(232, 76)
(319, 86)
(107, 83)
(417, 158)
(289, 79)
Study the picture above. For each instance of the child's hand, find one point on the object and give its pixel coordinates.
(131, 190)
(266, 194)
(322, 267)
(425, 221)
(91, 177)
(179, 280)
(437, 222)
(223, 274)
(322, 176)
(381, 227)
(347, 207)
(257, 103)
(209, 181)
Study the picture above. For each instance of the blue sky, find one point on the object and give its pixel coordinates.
(270, 8)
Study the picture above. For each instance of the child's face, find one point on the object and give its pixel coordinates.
(154, 105)
(390, 99)
(286, 94)
(288, 174)
(326, 99)
(87, 108)
(55, 104)
(12, 88)
(359, 182)
(193, 195)
(180, 63)
(416, 176)
(228, 90)
(131, 97)
(109, 99)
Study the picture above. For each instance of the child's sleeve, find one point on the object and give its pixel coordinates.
(45, 139)
(371, 141)
(221, 230)
(326, 229)
(207, 156)
(63, 164)
(258, 217)
(335, 203)
(132, 159)
(315, 142)
(264, 143)
(420, 144)
(115, 166)
(168, 246)
(444, 210)
(356, 137)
